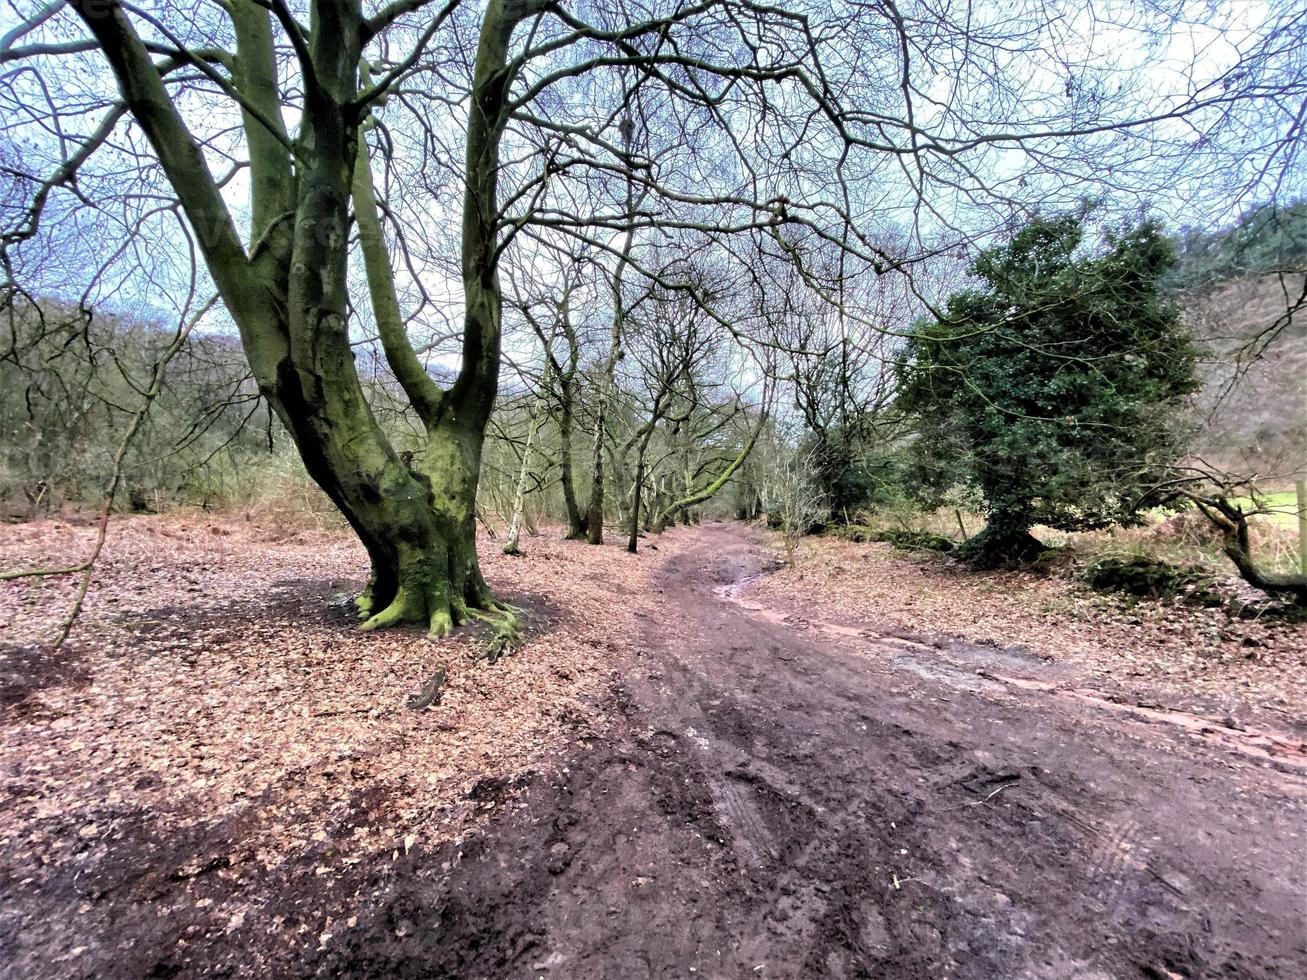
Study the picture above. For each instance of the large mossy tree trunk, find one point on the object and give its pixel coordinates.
(288, 293)
(1004, 541)
(446, 587)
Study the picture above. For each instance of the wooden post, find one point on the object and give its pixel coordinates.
(1301, 487)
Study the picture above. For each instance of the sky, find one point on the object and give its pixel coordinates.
(1104, 34)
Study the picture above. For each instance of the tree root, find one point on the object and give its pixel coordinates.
(408, 608)
(442, 616)
(440, 624)
(363, 603)
(404, 608)
(505, 622)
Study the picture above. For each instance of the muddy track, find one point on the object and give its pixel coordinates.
(779, 803)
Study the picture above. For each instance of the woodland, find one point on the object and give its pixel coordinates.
(819, 488)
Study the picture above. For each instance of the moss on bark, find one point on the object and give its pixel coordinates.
(289, 295)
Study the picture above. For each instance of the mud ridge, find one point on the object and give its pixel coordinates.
(1285, 750)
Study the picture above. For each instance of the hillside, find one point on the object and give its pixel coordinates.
(1252, 412)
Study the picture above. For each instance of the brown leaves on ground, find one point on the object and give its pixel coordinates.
(216, 721)
(218, 753)
(1173, 651)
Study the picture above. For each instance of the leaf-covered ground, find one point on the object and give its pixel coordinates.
(217, 773)
(215, 687)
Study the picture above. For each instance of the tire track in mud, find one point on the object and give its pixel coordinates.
(1060, 824)
(774, 803)
(937, 659)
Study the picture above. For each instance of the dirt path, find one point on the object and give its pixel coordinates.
(786, 801)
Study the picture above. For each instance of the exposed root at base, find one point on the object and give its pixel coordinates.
(440, 624)
(404, 608)
(441, 617)
(363, 604)
(505, 621)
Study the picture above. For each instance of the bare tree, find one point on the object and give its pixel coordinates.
(763, 130)
(512, 541)
(791, 496)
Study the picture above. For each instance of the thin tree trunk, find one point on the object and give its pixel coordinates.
(576, 520)
(519, 495)
(632, 544)
(566, 375)
(595, 511)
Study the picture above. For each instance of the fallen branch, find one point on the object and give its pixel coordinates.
(431, 692)
(1236, 543)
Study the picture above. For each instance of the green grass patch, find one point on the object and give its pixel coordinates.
(1283, 506)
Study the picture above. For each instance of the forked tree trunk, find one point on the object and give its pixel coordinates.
(427, 569)
(288, 295)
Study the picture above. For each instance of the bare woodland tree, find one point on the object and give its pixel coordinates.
(512, 542)
(791, 496)
(761, 134)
